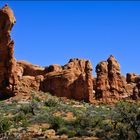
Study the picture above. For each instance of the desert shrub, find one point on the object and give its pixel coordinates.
(67, 131)
(66, 108)
(88, 119)
(83, 132)
(125, 119)
(24, 123)
(36, 98)
(5, 124)
(20, 119)
(51, 102)
(41, 118)
(62, 130)
(100, 134)
(56, 122)
(106, 126)
(55, 105)
(7, 108)
(84, 123)
(71, 133)
(27, 108)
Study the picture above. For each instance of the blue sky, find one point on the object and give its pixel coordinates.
(53, 32)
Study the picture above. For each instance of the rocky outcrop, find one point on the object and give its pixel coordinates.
(132, 78)
(133, 85)
(8, 75)
(136, 92)
(102, 82)
(109, 84)
(29, 83)
(73, 81)
(29, 76)
(114, 75)
(28, 69)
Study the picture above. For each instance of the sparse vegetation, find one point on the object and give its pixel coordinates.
(72, 118)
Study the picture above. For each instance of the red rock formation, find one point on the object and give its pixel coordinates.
(28, 83)
(136, 93)
(28, 69)
(7, 62)
(132, 78)
(74, 81)
(29, 76)
(133, 85)
(114, 75)
(102, 82)
(109, 83)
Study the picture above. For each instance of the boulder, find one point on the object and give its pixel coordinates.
(74, 81)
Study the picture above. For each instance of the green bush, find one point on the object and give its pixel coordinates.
(43, 117)
(83, 132)
(67, 131)
(125, 120)
(51, 102)
(56, 122)
(27, 108)
(18, 117)
(5, 124)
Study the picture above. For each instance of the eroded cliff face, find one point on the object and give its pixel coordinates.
(109, 83)
(73, 80)
(7, 62)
